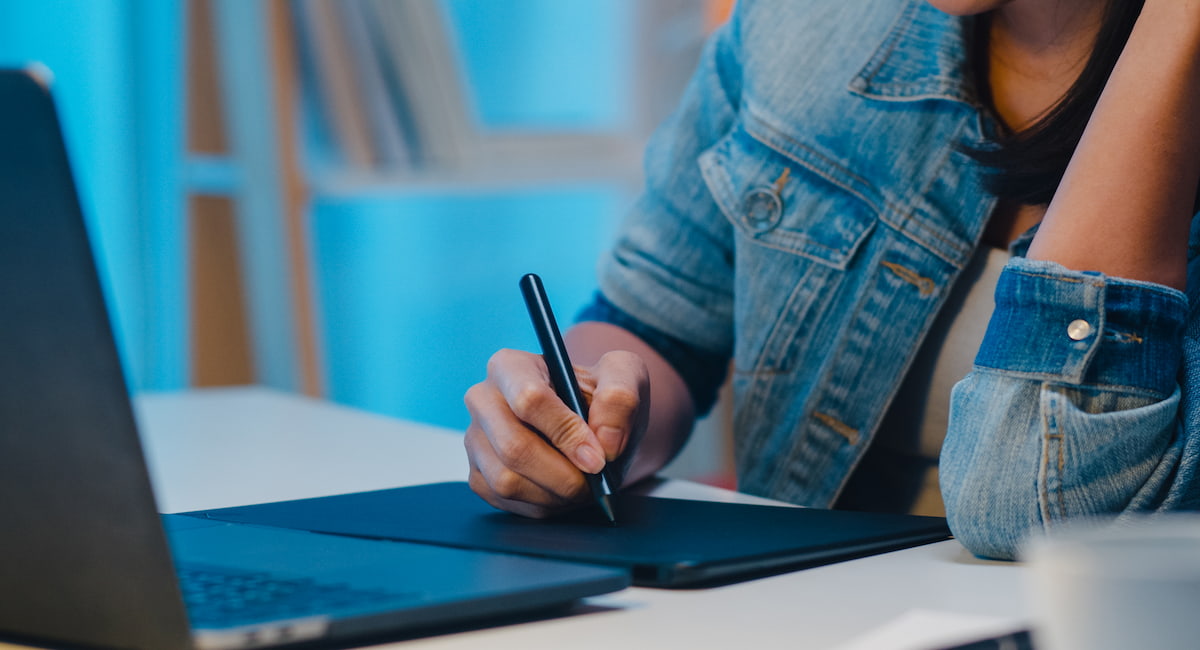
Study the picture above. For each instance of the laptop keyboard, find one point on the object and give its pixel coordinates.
(223, 597)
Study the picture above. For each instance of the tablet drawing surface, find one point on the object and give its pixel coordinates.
(663, 542)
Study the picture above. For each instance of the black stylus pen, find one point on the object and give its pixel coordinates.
(562, 374)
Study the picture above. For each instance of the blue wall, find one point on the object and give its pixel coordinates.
(415, 290)
(116, 66)
(547, 63)
(418, 291)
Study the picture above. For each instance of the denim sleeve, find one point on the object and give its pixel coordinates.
(701, 371)
(1072, 407)
(671, 267)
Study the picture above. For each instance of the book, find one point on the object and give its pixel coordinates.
(421, 59)
(385, 109)
(319, 28)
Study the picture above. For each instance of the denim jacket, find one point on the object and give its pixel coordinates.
(808, 207)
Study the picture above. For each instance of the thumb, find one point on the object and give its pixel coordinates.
(620, 400)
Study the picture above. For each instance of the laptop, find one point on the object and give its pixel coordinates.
(87, 559)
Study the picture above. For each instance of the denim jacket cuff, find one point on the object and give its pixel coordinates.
(1055, 324)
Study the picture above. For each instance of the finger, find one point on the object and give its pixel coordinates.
(481, 488)
(525, 385)
(504, 443)
(620, 399)
(503, 488)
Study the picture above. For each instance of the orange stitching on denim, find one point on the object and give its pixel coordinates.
(1051, 277)
(1058, 438)
(843, 429)
(922, 283)
(1044, 491)
(1062, 465)
(1060, 461)
(1126, 337)
(1049, 424)
(783, 179)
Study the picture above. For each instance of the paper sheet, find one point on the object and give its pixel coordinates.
(922, 629)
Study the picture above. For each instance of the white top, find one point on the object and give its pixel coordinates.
(903, 458)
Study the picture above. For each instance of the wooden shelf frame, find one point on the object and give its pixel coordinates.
(242, 127)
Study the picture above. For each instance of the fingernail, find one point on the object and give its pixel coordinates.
(589, 458)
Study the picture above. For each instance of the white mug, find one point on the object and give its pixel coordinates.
(1118, 584)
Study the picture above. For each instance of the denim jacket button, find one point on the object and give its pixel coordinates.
(762, 208)
(1079, 330)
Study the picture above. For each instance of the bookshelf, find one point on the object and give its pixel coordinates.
(252, 171)
(272, 133)
(513, 162)
(250, 280)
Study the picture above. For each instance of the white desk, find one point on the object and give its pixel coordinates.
(215, 448)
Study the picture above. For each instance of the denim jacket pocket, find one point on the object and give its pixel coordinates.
(795, 200)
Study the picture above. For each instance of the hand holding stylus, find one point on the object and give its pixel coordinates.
(529, 451)
(562, 377)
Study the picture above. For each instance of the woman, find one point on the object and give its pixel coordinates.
(840, 184)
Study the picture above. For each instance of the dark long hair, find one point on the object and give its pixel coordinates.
(1027, 166)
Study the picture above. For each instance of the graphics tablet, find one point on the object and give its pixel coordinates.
(663, 542)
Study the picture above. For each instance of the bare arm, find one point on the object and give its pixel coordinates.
(671, 413)
(1047, 428)
(514, 468)
(1125, 203)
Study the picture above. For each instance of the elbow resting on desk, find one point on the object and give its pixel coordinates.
(1059, 422)
(1041, 454)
